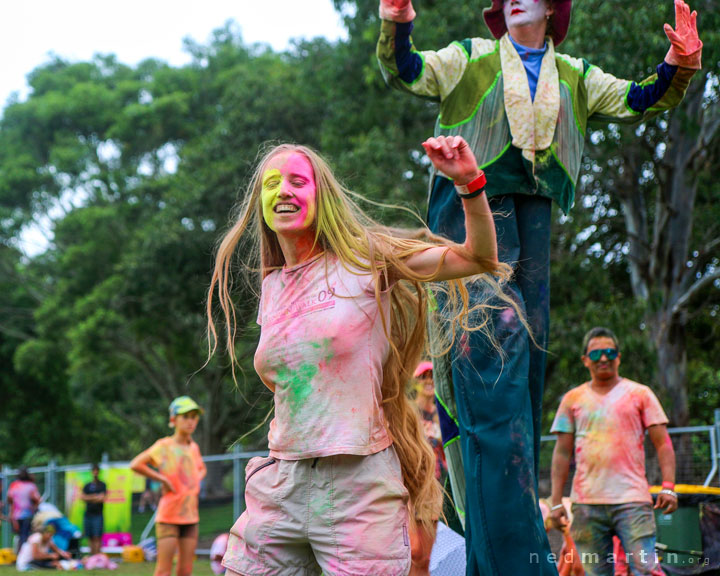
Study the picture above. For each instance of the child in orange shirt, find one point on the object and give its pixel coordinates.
(179, 469)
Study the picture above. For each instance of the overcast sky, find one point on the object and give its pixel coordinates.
(133, 30)
(138, 29)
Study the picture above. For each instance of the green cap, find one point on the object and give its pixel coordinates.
(183, 405)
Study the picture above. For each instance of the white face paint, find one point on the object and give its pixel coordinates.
(526, 13)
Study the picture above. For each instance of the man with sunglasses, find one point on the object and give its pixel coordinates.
(602, 423)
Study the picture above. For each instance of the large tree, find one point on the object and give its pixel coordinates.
(138, 169)
(660, 172)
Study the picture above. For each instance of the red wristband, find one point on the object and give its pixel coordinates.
(668, 485)
(472, 188)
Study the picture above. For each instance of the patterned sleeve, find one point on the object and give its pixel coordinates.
(652, 412)
(156, 452)
(428, 74)
(564, 419)
(611, 99)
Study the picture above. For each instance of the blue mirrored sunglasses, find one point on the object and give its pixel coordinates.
(595, 355)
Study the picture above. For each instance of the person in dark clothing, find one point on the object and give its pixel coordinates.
(94, 493)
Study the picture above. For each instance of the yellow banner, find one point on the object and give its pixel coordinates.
(117, 515)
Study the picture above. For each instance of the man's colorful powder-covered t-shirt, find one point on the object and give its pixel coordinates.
(322, 349)
(609, 441)
(182, 464)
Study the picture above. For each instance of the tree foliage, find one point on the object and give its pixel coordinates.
(137, 170)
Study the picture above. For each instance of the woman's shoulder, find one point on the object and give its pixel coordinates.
(353, 274)
(271, 277)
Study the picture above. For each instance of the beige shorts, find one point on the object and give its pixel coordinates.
(181, 531)
(337, 516)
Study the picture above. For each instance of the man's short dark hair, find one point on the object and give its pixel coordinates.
(599, 332)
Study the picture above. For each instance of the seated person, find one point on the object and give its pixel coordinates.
(39, 551)
(67, 535)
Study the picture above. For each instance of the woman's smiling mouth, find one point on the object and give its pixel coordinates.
(285, 208)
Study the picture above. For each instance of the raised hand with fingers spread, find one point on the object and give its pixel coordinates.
(685, 44)
(397, 10)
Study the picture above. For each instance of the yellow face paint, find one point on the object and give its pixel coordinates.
(288, 194)
(271, 180)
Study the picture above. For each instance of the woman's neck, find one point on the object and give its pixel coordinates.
(298, 249)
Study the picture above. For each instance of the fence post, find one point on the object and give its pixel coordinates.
(51, 488)
(716, 454)
(5, 477)
(714, 445)
(238, 483)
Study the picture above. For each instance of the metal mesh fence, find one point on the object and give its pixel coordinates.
(221, 496)
(222, 493)
(695, 455)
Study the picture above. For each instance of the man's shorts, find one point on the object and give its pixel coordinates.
(94, 526)
(337, 515)
(163, 530)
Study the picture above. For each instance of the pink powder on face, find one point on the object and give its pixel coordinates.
(289, 193)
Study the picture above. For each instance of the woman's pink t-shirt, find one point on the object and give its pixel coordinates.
(322, 349)
(24, 495)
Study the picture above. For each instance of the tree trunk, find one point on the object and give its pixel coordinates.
(670, 341)
(658, 269)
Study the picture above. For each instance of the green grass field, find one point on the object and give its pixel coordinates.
(213, 521)
(201, 568)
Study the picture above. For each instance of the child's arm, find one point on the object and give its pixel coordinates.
(38, 553)
(141, 465)
(58, 552)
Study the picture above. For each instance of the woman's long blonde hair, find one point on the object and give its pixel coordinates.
(361, 244)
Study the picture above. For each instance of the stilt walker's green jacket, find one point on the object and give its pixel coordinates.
(524, 145)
